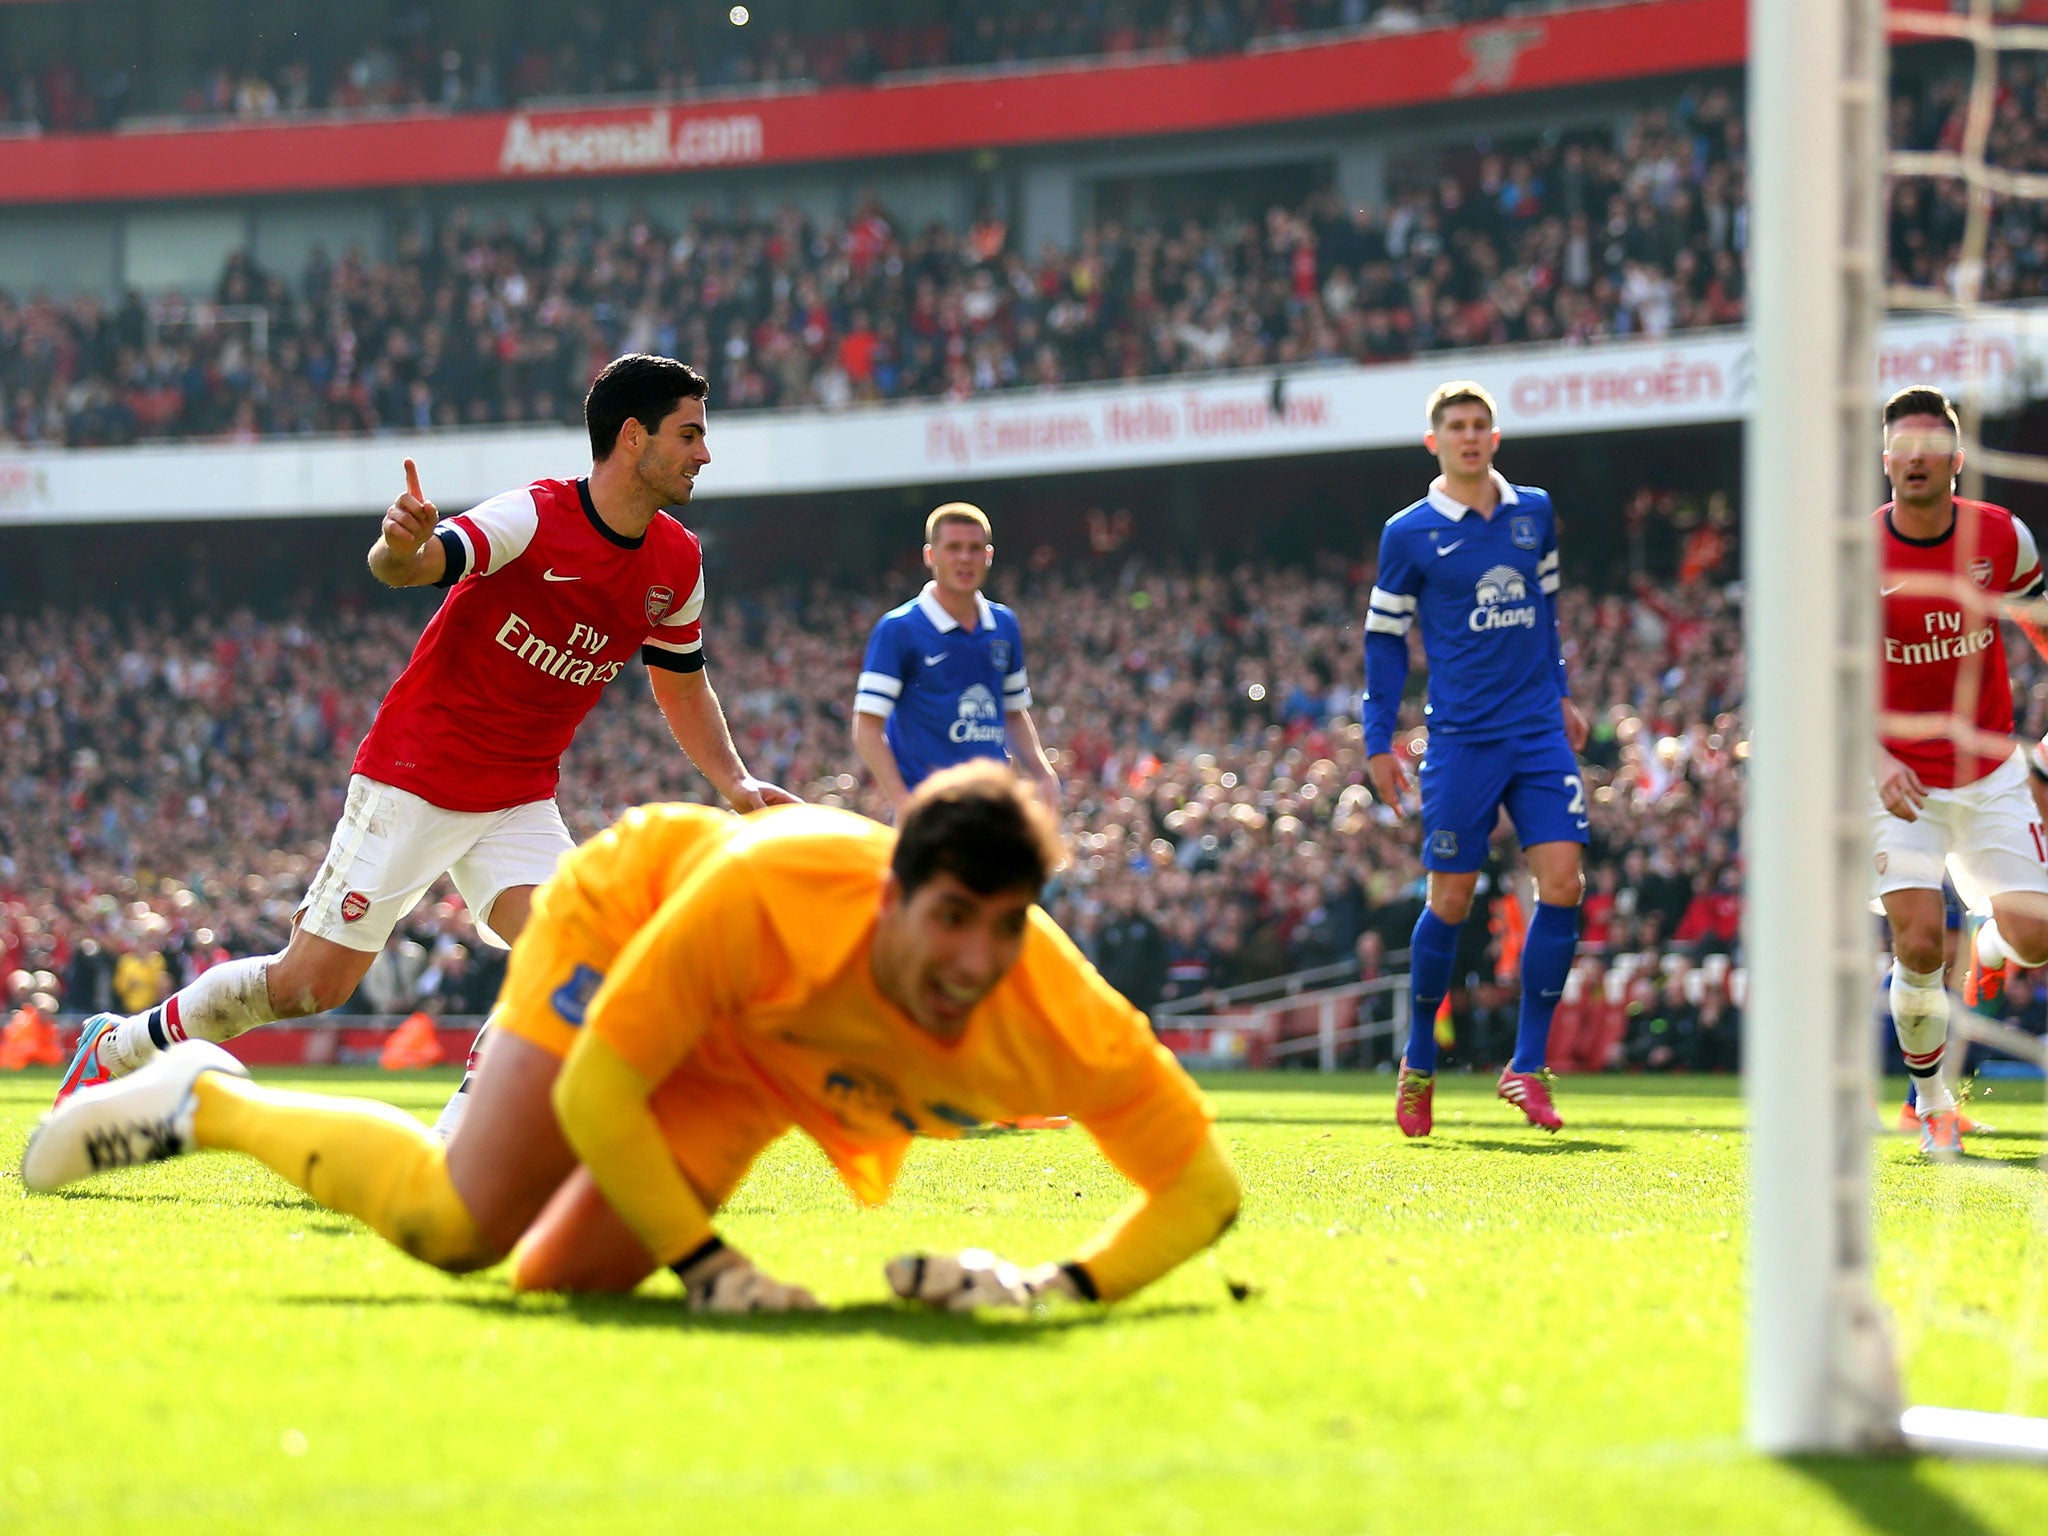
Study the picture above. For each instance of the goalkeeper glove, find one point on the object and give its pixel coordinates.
(724, 1280)
(960, 1282)
(2037, 760)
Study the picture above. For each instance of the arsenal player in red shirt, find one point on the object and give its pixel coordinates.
(1952, 790)
(553, 588)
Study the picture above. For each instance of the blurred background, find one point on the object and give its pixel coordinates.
(1161, 284)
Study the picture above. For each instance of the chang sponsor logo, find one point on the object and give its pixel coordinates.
(1501, 601)
(980, 719)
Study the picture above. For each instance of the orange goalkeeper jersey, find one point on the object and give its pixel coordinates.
(749, 998)
(616, 881)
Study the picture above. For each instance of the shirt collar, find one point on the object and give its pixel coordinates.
(1442, 500)
(942, 621)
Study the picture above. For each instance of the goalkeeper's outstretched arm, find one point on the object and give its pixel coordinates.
(601, 1101)
(1162, 1228)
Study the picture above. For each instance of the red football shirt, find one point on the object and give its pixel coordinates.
(548, 606)
(1947, 701)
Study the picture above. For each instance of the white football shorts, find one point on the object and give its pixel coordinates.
(391, 845)
(1985, 833)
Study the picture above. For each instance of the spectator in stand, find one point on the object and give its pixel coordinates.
(141, 978)
(190, 763)
(662, 49)
(478, 323)
(1133, 953)
(1712, 923)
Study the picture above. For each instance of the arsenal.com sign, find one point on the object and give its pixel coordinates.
(656, 140)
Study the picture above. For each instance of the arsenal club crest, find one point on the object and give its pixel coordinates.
(1980, 570)
(353, 906)
(659, 601)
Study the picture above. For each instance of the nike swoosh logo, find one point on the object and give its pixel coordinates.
(549, 575)
(933, 661)
(1888, 591)
(1445, 549)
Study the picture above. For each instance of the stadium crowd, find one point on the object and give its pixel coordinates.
(345, 64)
(1204, 725)
(1575, 238)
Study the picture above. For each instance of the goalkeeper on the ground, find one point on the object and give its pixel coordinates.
(692, 985)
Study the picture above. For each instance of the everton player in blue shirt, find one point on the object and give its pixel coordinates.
(1474, 563)
(943, 680)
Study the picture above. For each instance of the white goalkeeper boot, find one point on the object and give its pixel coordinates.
(142, 1118)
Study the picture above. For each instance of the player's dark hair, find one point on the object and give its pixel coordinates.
(637, 387)
(1921, 400)
(981, 824)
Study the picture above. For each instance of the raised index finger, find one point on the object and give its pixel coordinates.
(412, 481)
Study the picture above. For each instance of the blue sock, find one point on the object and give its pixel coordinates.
(1431, 954)
(1546, 961)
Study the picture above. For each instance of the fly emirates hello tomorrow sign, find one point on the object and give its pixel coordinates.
(1328, 408)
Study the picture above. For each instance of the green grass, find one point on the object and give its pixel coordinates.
(1492, 1331)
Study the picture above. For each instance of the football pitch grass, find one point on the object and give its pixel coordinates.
(1491, 1331)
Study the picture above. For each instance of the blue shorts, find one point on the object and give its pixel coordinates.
(1465, 783)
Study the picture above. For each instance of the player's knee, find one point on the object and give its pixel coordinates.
(539, 1265)
(1918, 949)
(2026, 939)
(1452, 906)
(299, 988)
(1561, 890)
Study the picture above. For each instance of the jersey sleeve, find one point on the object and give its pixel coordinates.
(708, 951)
(1125, 1088)
(1549, 580)
(490, 536)
(881, 672)
(677, 644)
(2026, 573)
(1390, 614)
(1016, 681)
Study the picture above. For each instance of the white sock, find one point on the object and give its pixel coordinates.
(1920, 1019)
(453, 1111)
(458, 1102)
(225, 1001)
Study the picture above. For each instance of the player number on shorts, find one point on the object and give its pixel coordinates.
(2040, 843)
(1577, 786)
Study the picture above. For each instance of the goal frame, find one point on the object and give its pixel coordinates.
(1822, 1372)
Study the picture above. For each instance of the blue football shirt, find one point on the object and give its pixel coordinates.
(1484, 591)
(943, 690)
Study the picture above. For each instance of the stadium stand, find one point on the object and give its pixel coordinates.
(420, 55)
(1634, 231)
(1205, 726)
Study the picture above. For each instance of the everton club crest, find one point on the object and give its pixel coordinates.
(660, 600)
(1523, 531)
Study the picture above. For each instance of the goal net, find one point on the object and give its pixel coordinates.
(1863, 1337)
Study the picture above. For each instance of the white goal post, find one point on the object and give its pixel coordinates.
(1821, 1376)
(1822, 1367)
